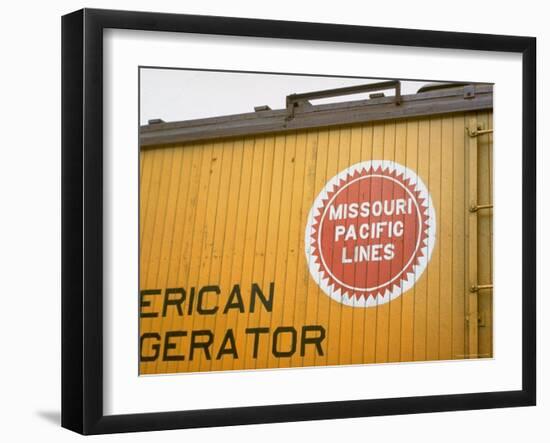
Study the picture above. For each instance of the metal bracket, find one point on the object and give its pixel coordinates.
(469, 91)
(475, 208)
(479, 131)
(477, 288)
(295, 100)
(480, 320)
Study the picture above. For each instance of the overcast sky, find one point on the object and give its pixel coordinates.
(175, 94)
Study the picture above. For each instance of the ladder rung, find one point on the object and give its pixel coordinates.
(475, 208)
(478, 288)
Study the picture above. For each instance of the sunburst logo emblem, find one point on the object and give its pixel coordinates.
(370, 233)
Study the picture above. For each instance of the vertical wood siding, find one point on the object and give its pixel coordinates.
(234, 211)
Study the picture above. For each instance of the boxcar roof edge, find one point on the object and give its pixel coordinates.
(470, 97)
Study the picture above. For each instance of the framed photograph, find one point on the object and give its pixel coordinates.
(269, 221)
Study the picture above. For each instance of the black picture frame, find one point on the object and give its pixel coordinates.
(82, 216)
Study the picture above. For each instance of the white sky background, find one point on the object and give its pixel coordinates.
(176, 94)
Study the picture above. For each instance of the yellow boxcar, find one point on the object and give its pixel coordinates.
(258, 234)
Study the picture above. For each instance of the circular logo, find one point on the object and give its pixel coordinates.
(370, 233)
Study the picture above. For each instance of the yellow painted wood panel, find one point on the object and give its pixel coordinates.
(459, 248)
(409, 298)
(222, 235)
(472, 235)
(421, 286)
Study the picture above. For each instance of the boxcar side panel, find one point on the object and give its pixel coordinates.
(222, 250)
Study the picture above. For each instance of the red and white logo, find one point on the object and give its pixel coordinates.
(370, 233)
